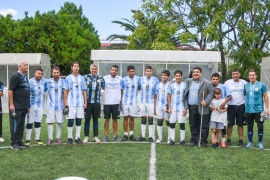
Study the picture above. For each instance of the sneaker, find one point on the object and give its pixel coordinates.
(217, 145)
(96, 139)
(168, 141)
(141, 139)
(79, 142)
(183, 143)
(50, 142)
(2, 139)
(59, 141)
(125, 138)
(158, 140)
(16, 147)
(240, 143)
(85, 140)
(151, 140)
(27, 142)
(116, 138)
(69, 142)
(171, 143)
(249, 145)
(214, 145)
(204, 145)
(39, 142)
(106, 139)
(192, 144)
(223, 145)
(260, 146)
(22, 144)
(132, 138)
(229, 142)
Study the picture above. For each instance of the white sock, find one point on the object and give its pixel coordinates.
(143, 128)
(125, 133)
(169, 132)
(173, 134)
(223, 140)
(159, 130)
(78, 132)
(130, 133)
(37, 133)
(59, 130)
(70, 129)
(50, 131)
(151, 131)
(28, 134)
(182, 135)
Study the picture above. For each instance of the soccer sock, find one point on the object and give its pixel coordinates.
(78, 131)
(125, 133)
(37, 133)
(260, 135)
(182, 135)
(130, 133)
(250, 135)
(59, 130)
(172, 134)
(169, 132)
(28, 134)
(143, 128)
(70, 129)
(50, 131)
(159, 130)
(223, 140)
(151, 131)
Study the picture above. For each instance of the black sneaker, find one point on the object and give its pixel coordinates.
(217, 145)
(69, 142)
(214, 145)
(204, 145)
(125, 138)
(192, 144)
(229, 142)
(141, 139)
(183, 143)
(79, 142)
(22, 144)
(171, 143)
(132, 138)
(240, 143)
(16, 147)
(151, 140)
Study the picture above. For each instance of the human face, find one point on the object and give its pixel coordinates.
(196, 75)
(236, 76)
(252, 77)
(23, 67)
(114, 71)
(38, 74)
(217, 96)
(56, 74)
(178, 78)
(75, 69)
(148, 73)
(131, 73)
(94, 70)
(164, 77)
(215, 81)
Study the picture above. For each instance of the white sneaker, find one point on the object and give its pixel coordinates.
(96, 139)
(85, 140)
(2, 139)
(168, 141)
(158, 140)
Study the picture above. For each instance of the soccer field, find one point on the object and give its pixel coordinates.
(133, 160)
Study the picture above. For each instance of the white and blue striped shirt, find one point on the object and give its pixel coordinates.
(177, 91)
(130, 87)
(148, 88)
(55, 94)
(76, 85)
(162, 95)
(37, 89)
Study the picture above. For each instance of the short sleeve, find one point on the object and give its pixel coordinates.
(1, 86)
(13, 82)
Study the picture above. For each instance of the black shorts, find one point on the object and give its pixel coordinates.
(250, 117)
(111, 111)
(236, 113)
(92, 110)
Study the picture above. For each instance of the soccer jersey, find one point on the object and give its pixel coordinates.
(162, 95)
(76, 85)
(148, 88)
(37, 89)
(177, 91)
(254, 97)
(224, 92)
(236, 90)
(112, 93)
(94, 84)
(215, 115)
(130, 87)
(55, 94)
(1, 89)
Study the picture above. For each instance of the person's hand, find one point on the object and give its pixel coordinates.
(184, 112)
(203, 103)
(266, 111)
(11, 108)
(155, 113)
(222, 105)
(121, 107)
(85, 106)
(169, 111)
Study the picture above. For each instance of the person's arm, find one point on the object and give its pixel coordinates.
(10, 99)
(169, 103)
(121, 99)
(155, 101)
(266, 103)
(85, 99)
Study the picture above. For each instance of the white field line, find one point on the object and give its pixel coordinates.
(153, 159)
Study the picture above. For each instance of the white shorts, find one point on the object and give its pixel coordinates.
(162, 114)
(75, 112)
(35, 115)
(178, 116)
(130, 110)
(55, 116)
(147, 109)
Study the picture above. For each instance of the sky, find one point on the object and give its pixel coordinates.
(100, 13)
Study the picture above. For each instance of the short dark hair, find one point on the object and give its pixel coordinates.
(114, 66)
(190, 74)
(166, 72)
(148, 67)
(215, 75)
(39, 69)
(75, 62)
(217, 91)
(200, 69)
(235, 70)
(55, 68)
(178, 72)
(130, 67)
(252, 70)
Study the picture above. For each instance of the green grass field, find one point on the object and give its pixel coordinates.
(131, 160)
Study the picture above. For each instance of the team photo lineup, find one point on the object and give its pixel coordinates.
(204, 104)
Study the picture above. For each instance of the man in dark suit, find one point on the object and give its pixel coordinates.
(198, 95)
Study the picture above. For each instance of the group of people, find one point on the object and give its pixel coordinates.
(209, 103)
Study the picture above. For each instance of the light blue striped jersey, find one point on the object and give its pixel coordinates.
(254, 97)
(148, 88)
(55, 94)
(37, 89)
(162, 95)
(177, 91)
(76, 85)
(130, 87)
(94, 84)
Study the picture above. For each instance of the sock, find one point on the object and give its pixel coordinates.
(70, 129)
(50, 131)
(159, 130)
(223, 140)
(151, 131)
(28, 134)
(169, 133)
(78, 132)
(172, 134)
(250, 135)
(143, 128)
(125, 133)
(37, 133)
(260, 135)
(130, 133)
(59, 131)
(182, 135)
